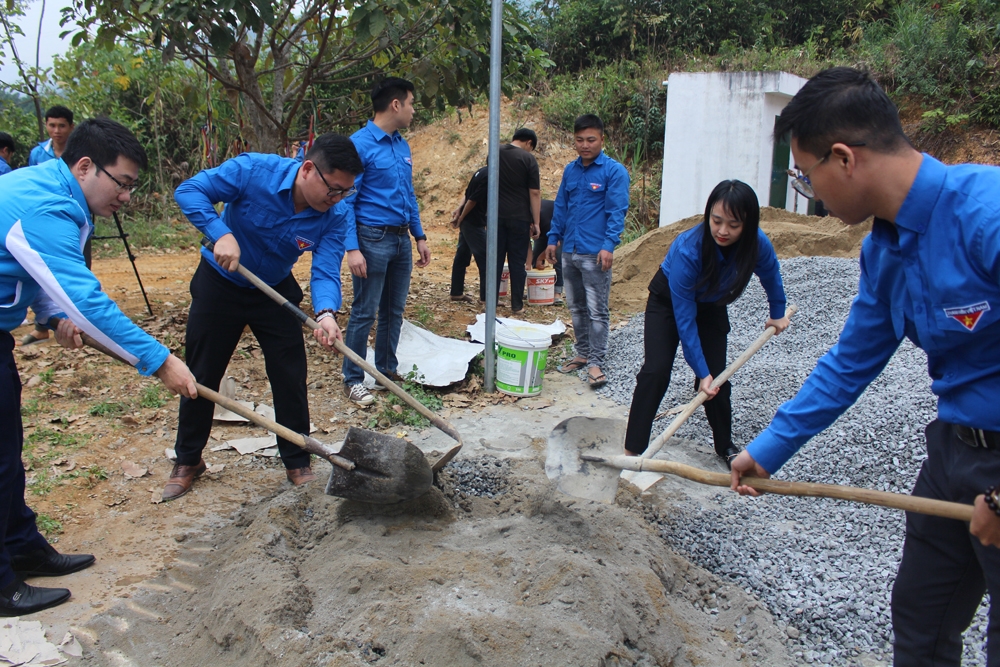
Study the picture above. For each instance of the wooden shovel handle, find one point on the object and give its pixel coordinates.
(724, 376)
(310, 444)
(898, 501)
(438, 422)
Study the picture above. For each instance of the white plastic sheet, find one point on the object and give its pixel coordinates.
(439, 361)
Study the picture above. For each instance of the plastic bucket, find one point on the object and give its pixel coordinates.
(504, 281)
(521, 356)
(542, 287)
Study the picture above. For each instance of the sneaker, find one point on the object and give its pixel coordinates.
(356, 393)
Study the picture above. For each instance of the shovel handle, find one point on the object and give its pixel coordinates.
(308, 443)
(440, 423)
(942, 508)
(724, 376)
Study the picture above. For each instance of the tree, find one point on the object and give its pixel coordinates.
(30, 76)
(276, 60)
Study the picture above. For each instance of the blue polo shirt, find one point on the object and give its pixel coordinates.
(44, 221)
(933, 277)
(682, 267)
(589, 213)
(4, 167)
(385, 195)
(260, 213)
(43, 152)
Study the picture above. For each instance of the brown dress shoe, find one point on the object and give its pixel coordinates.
(300, 476)
(181, 479)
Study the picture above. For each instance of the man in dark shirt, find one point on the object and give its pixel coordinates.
(470, 218)
(520, 200)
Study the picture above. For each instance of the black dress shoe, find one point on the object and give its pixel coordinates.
(730, 453)
(48, 562)
(29, 599)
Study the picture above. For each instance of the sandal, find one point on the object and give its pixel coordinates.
(597, 381)
(31, 339)
(572, 366)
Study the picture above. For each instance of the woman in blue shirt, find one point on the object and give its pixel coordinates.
(705, 270)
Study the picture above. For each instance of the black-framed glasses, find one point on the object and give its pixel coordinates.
(800, 179)
(332, 192)
(119, 186)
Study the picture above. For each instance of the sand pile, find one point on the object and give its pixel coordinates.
(792, 235)
(526, 577)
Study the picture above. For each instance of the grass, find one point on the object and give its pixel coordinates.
(453, 137)
(43, 446)
(152, 397)
(47, 375)
(47, 524)
(395, 411)
(108, 409)
(33, 406)
(423, 314)
(150, 221)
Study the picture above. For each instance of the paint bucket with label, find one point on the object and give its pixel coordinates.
(542, 287)
(521, 356)
(504, 281)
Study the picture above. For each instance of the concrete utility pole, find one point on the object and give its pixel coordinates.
(493, 194)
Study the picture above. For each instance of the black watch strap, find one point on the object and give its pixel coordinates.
(422, 237)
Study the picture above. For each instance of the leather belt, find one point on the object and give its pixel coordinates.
(395, 229)
(977, 437)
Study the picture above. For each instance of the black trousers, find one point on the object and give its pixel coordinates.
(17, 522)
(471, 243)
(945, 570)
(220, 310)
(513, 242)
(660, 340)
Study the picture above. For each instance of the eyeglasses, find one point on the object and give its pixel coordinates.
(332, 192)
(800, 179)
(119, 186)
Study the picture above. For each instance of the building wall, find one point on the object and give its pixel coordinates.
(719, 126)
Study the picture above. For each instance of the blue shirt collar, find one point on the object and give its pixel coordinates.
(292, 171)
(599, 160)
(2, 160)
(73, 186)
(379, 133)
(915, 213)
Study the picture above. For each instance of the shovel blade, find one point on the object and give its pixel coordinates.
(585, 435)
(388, 470)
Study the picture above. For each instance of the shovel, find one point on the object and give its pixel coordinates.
(648, 479)
(584, 460)
(368, 467)
(440, 423)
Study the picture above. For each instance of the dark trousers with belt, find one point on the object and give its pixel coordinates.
(660, 340)
(471, 243)
(17, 521)
(220, 310)
(513, 241)
(945, 570)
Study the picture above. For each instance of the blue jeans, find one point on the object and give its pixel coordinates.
(588, 289)
(389, 256)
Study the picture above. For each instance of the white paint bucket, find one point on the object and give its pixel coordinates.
(504, 281)
(542, 287)
(522, 352)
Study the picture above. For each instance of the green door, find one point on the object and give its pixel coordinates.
(779, 171)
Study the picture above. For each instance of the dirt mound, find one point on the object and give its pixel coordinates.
(524, 577)
(792, 235)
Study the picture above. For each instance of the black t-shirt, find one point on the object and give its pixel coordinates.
(518, 174)
(545, 217)
(477, 191)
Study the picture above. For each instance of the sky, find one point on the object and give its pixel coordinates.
(51, 45)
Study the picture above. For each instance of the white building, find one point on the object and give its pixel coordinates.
(719, 126)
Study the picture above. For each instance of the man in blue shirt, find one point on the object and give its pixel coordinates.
(58, 125)
(589, 218)
(6, 152)
(45, 214)
(930, 271)
(276, 209)
(379, 253)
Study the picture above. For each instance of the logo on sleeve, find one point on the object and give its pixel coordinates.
(968, 316)
(304, 244)
(408, 161)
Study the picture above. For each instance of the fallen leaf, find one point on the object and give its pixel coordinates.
(216, 467)
(398, 409)
(133, 470)
(129, 420)
(157, 497)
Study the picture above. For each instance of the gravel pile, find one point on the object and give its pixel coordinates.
(823, 567)
(483, 477)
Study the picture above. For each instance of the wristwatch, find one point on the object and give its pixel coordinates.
(422, 237)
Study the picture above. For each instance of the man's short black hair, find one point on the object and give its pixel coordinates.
(59, 111)
(387, 90)
(335, 151)
(845, 105)
(587, 121)
(103, 141)
(6, 141)
(524, 134)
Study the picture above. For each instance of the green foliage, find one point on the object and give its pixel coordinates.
(47, 524)
(395, 411)
(41, 447)
(424, 315)
(107, 409)
(47, 375)
(17, 118)
(152, 397)
(32, 407)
